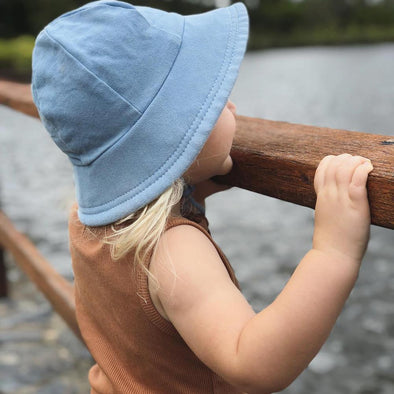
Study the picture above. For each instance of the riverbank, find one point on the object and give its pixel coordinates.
(322, 36)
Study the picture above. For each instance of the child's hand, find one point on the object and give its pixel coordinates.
(342, 217)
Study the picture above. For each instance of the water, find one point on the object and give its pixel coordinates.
(349, 88)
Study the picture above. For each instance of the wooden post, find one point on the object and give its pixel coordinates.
(279, 159)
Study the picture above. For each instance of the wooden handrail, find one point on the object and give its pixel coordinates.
(56, 288)
(279, 159)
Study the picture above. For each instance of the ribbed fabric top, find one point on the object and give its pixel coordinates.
(136, 350)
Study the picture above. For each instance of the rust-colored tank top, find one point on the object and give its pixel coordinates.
(136, 350)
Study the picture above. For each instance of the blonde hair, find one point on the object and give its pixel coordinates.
(140, 231)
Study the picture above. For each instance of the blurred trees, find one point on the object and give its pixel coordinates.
(298, 22)
(29, 17)
(282, 16)
(272, 22)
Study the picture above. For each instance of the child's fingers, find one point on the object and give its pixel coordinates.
(359, 179)
(341, 171)
(346, 168)
(320, 174)
(337, 167)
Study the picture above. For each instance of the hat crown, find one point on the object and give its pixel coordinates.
(112, 62)
(131, 95)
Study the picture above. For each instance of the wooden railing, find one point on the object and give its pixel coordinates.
(273, 158)
(57, 290)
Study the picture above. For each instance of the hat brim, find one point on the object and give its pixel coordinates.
(187, 107)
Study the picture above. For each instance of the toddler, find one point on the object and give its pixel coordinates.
(138, 100)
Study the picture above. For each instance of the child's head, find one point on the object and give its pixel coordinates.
(131, 95)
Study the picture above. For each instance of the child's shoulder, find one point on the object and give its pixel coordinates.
(186, 239)
(185, 259)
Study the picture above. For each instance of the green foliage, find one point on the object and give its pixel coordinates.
(317, 22)
(22, 20)
(324, 35)
(16, 53)
(29, 17)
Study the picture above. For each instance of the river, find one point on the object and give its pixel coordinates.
(340, 87)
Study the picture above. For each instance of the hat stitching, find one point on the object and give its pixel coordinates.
(187, 133)
(114, 91)
(141, 113)
(170, 33)
(58, 137)
(169, 71)
(91, 72)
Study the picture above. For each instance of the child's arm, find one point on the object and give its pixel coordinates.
(265, 352)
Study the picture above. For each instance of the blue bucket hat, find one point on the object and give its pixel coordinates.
(131, 95)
